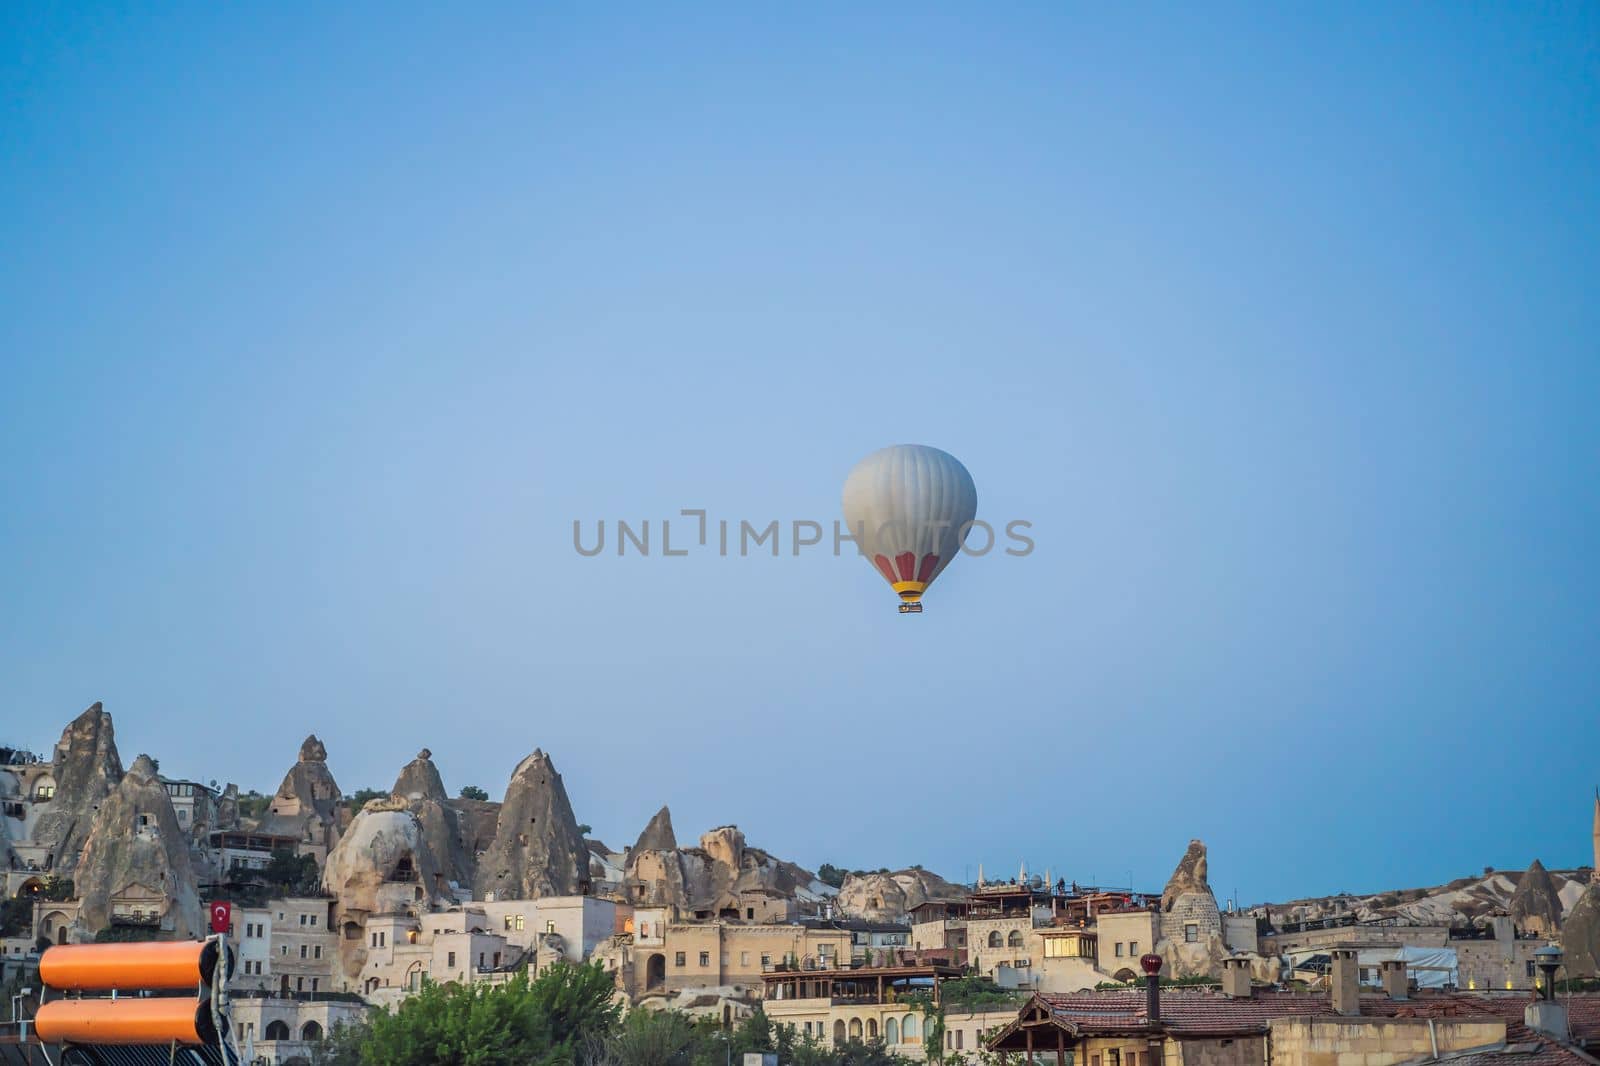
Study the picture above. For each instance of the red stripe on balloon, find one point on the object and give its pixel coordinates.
(925, 571)
(883, 565)
(907, 563)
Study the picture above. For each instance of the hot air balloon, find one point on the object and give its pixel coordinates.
(909, 506)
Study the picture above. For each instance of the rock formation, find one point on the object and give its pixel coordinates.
(708, 879)
(537, 849)
(879, 897)
(1535, 905)
(1580, 935)
(382, 864)
(135, 863)
(308, 805)
(87, 770)
(421, 789)
(1189, 877)
(657, 835)
(228, 807)
(1188, 902)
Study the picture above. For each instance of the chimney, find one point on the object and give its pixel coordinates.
(1151, 965)
(1395, 984)
(1236, 977)
(1345, 982)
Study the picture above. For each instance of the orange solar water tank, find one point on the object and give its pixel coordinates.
(126, 1021)
(182, 964)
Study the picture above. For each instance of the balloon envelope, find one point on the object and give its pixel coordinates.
(909, 506)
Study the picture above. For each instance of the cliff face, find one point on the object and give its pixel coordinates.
(421, 789)
(889, 897)
(87, 770)
(537, 850)
(657, 834)
(1535, 904)
(307, 804)
(136, 859)
(382, 864)
(708, 877)
(1580, 935)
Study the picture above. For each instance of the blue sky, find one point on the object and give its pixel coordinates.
(318, 330)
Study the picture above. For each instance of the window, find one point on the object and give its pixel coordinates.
(908, 1029)
(303, 919)
(299, 984)
(549, 926)
(480, 960)
(1114, 1057)
(705, 958)
(959, 1033)
(450, 960)
(313, 984)
(508, 923)
(277, 1031)
(1133, 947)
(1119, 949)
(1191, 933)
(302, 951)
(316, 952)
(313, 921)
(519, 921)
(744, 958)
(677, 959)
(283, 950)
(1015, 939)
(994, 939)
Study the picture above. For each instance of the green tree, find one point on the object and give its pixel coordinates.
(653, 1038)
(291, 873)
(361, 796)
(829, 874)
(473, 792)
(556, 1019)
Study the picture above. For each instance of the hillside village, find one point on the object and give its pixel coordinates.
(339, 904)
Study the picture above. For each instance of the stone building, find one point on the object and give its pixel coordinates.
(1243, 1026)
(890, 1004)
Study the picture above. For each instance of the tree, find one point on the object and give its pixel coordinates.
(292, 873)
(555, 1019)
(584, 829)
(362, 795)
(473, 792)
(829, 874)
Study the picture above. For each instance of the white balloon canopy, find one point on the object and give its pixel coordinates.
(910, 505)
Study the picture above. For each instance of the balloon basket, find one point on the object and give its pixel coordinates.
(911, 608)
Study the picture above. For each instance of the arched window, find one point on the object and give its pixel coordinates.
(838, 1031)
(891, 1031)
(855, 1028)
(908, 1029)
(277, 1030)
(1015, 939)
(994, 939)
(872, 1028)
(311, 1031)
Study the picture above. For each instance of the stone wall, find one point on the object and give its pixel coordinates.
(1375, 1042)
(1418, 936)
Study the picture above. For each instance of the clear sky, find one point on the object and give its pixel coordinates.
(318, 330)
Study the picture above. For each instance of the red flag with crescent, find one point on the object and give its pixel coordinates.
(221, 916)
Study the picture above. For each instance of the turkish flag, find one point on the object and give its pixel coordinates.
(221, 916)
